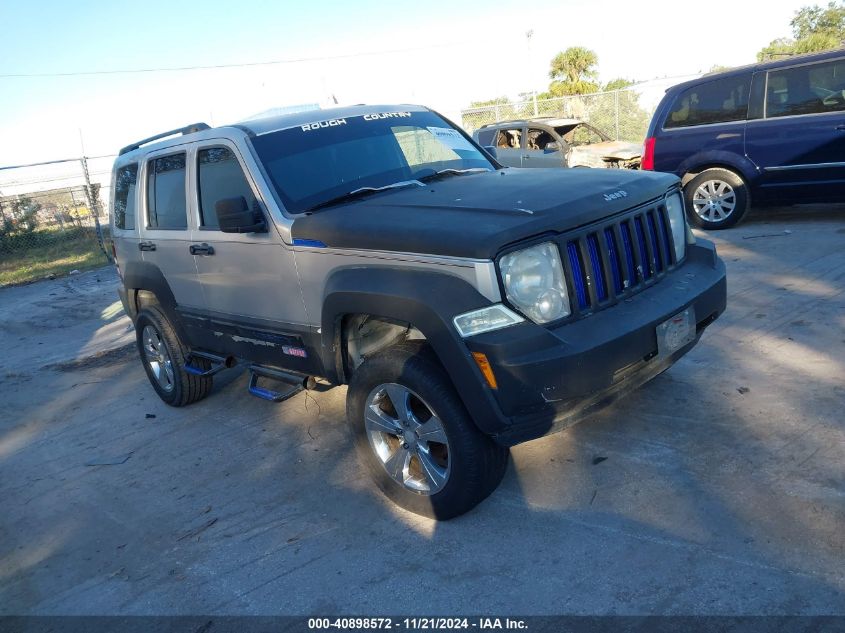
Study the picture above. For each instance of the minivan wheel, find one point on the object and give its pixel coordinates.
(163, 355)
(415, 437)
(716, 199)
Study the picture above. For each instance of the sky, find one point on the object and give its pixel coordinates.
(443, 54)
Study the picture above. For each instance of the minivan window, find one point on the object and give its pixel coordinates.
(166, 193)
(810, 89)
(125, 184)
(220, 176)
(718, 101)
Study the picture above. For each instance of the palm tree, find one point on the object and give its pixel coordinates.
(573, 72)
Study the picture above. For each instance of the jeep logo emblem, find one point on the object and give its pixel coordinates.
(616, 195)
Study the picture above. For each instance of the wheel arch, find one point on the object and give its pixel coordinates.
(144, 279)
(702, 161)
(425, 302)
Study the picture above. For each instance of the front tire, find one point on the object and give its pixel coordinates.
(716, 199)
(414, 435)
(164, 354)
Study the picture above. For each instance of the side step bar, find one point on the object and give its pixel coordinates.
(295, 383)
(218, 363)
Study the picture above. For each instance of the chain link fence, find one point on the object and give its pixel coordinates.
(619, 113)
(53, 218)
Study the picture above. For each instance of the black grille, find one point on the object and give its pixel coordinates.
(610, 261)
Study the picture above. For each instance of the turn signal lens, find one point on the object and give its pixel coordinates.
(486, 369)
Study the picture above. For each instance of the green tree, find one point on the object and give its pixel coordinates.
(573, 72)
(617, 84)
(814, 29)
(717, 68)
(25, 211)
(489, 102)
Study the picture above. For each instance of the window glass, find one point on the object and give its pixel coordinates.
(166, 193)
(806, 90)
(485, 137)
(717, 101)
(509, 139)
(538, 139)
(419, 146)
(125, 185)
(584, 135)
(220, 177)
(314, 163)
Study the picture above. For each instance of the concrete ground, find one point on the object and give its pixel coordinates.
(721, 488)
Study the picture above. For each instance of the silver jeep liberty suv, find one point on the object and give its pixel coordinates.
(467, 306)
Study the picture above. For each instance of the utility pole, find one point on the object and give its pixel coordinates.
(528, 35)
(94, 206)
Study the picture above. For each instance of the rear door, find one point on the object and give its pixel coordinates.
(800, 143)
(165, 230)
(707, 116)
(542, 149)
(509, 146)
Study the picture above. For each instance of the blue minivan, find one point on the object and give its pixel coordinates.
(772, 133)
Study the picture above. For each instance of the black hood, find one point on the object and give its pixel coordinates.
(476, 215)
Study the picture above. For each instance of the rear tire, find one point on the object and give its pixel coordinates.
(442, 466)
(163, 355)
(716, 199)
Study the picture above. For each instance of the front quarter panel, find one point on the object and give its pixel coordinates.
(426, 298)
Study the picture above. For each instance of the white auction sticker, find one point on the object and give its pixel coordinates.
(450, 138)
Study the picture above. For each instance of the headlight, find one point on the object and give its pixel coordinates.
(678, 224)
(534, 283)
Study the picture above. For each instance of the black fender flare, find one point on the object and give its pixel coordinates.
(708, 159)
(147, 276)
(427, 299)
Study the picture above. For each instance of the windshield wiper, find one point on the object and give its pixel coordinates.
(453, 172)
(362, 191)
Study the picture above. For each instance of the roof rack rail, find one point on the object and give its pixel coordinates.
(188, 129)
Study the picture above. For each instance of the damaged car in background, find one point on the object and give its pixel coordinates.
(550, 142)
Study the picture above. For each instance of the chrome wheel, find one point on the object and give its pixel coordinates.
(158, 358)
(407, 438)
(714, 200)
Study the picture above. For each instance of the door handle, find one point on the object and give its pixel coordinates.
(201, 249)
(146, 246)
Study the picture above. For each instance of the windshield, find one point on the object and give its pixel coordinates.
(311, 164)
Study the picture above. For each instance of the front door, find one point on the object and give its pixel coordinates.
(509, 144)
(800, 144)
(542, 149)
(254, 307)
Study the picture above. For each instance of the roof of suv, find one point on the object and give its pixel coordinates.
(769, 65)
(540, 120)
(257, 127)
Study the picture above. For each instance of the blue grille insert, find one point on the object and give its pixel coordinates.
(658, 254)
(577, 274)
(667, 238)
(629, 254)
(596, 265)
(615, 271)
(646, 265)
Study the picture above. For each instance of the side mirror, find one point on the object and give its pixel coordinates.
(553, 146)
(490, 149)
(234, 216)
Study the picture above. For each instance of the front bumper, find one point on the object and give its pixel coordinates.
(548, 379)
